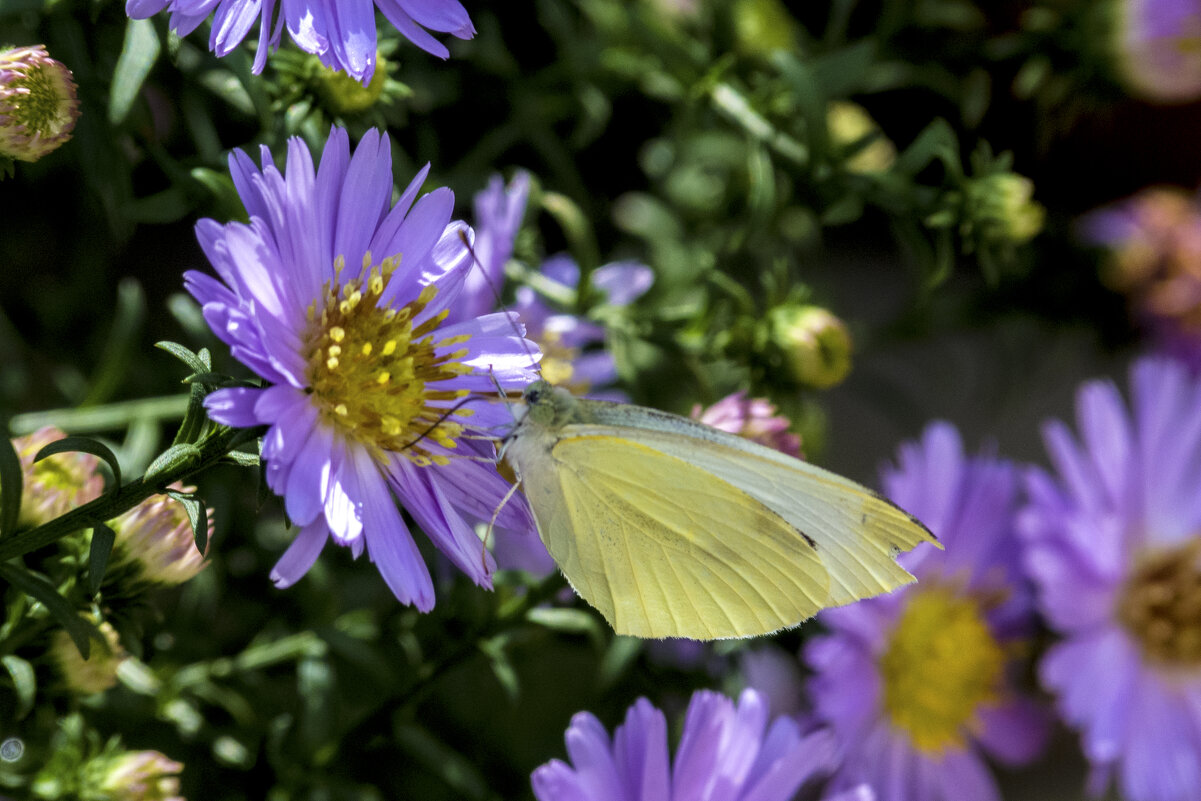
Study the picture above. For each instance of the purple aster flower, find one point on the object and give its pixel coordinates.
(339, 32)
(727, 752)
(1156, 51)
(753, 418)
(498, 213)
(918, 685)
(339, 303)
(1114, 547)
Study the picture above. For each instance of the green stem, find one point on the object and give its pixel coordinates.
(112, 504)
(105, 417)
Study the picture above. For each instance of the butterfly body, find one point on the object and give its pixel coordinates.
(671, 528)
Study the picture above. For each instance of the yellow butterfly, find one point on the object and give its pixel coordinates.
(674, 529)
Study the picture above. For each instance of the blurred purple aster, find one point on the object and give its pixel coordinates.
(1114, 546)
(1156, 51)
(339, 303)
(727, 752)
(918, 685)
(339, 32)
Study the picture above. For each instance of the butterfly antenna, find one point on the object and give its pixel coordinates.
(500, 304)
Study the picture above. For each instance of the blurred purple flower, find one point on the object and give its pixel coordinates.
(498, 213)
(727, 752)
(339, 32)
(753, 418)
(1154, 244)
(1157, 56)
(1113, 544)
(918, 684)
(339, 303)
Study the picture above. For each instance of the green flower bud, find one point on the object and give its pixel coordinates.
(1001, 208)
(343, 94)
(95, 674)
(763, 26)
(38, 104)
(815, 344)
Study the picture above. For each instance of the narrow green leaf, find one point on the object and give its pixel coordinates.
(198, 517)
(38, 587)
(84, 445)
(565, 619)
(502, 667)
(24, 682)
(169, 459)
(243, 459)
(140, 51)
(103, 538)
(197, 362)
(12, 482)
(123, 339)
(457, 771)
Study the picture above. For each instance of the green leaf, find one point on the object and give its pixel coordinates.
(103, 538)
(198, 517)
(170, 459)
(120, 344)
(12, 482)
(564, 619)
(137, 58)
(458, 772)
(38, 587)
(24, 682)
(198, 362)
(84, 445)
(502, 667)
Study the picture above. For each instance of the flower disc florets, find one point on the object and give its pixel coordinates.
(38, 104)
(373, 374)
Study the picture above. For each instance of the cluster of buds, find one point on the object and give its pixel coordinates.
(38, 103)
(756, 419)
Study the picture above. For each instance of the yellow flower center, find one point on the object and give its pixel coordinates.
(1160, 605)
(942, 664)
(373, 374)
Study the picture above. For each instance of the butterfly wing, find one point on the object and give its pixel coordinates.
(665, 548)
(857, 533)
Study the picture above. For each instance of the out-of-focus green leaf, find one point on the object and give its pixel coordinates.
(113, 365)
(25, 683)
(457, 771)
(38, 587)
(137, 58)
(12, 482)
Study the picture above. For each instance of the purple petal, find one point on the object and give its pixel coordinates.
(622, 282)
(301, 554)
(389, 543)
(640, 753)
(233, 406)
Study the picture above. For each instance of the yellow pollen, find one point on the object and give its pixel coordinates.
(376, 376)
(1160, 605)
(941, 666)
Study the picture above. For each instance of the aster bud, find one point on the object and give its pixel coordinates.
(763, 26)
(57, 483)
(155, 542)
(1001, 209)
(755, 419)
(143, 776)
(342, 93)
(815, 344)
(38, 103)
(95, 674)
(849, 124)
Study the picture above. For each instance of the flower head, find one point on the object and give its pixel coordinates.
(814, 344)
(95, 674)
(1157, 48)
(918, 684)
(342, 34)
(155, 540)
(143, 776)
(1154, 244)
(727, 752)
(1000, 209)
(1114, 546)
(57, 483)
(753, 418)
(339, 301)
(38, 104)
